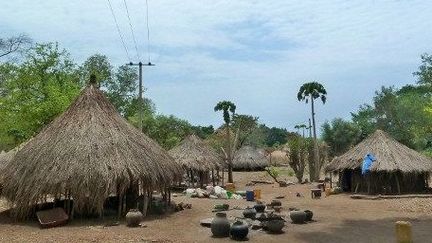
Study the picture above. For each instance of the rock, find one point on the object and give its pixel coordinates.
(213, 197)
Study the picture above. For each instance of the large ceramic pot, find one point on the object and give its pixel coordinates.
(220, 226)
(260, 207)
(239, 230)
(134, 218)
(249, 213)
(309, 215)
(298, 217)
(275, 225)
(276, 203)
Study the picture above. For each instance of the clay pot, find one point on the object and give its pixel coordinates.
(276, 203)
(260, 207)
(249, 213)
(134, 218)
(239, 230)
(220, 226)
(275, 225)
(309, 215)
(298, 217)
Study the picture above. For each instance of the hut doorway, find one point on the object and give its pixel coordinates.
(346, 180)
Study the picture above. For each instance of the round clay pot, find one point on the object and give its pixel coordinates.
(220, 226)
(275, 225)
(298, 217)
(261, 217)
(249, 213)
(134, 218)
(239, 230)
(276, 203)
(309, 215)
(260, 207)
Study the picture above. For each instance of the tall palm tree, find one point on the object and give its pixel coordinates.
(311, 91)
(227, 107)
(301, 126)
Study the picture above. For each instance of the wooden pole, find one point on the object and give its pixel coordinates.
(397, 183)
(213, 179)
(145, 205)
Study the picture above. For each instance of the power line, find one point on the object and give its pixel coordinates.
(148, 31)
(118, 30)
(131, 28)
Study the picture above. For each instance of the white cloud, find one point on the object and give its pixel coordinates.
(254, 52)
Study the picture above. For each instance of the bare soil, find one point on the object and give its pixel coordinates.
(337, 219)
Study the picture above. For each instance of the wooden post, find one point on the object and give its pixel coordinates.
(145, 205)
(397, 183)
(213, 179)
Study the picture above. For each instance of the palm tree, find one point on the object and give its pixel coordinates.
(227, 107)
(311, 91)
(301, 126)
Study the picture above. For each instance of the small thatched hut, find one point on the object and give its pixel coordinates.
(397, 169)
(85, 155)
(250, 158)
(195, 156)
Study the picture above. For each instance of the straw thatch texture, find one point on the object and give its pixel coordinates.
(193, 153)
(249, 158)
(88, 151)
(390, 154)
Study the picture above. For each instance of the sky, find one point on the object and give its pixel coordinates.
(254, 53)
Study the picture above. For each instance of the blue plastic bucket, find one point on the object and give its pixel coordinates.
(249, 195)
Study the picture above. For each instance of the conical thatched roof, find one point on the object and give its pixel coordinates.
(193, 153)
(248, 157)
(89, 150)
(390, 154)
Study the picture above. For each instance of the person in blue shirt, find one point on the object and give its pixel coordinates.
(367, 163)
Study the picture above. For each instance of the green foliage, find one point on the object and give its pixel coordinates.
(340, 135)
(424, 74)
(402, 113)
(226, 107)
(298, 152)
(203, 131)
(312, 90)
(35, 91)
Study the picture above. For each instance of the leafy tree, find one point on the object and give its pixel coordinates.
(311, 91)
(424, 74)
(203, 131)
(340, 135)
(243, 125)
(298, 151)
(36, 91)
(228, 108)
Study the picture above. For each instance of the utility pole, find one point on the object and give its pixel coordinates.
(140, 92)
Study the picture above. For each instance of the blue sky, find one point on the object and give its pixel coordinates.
(255, 53)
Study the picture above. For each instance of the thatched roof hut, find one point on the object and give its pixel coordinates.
(193, 153)
(250, 158)
(87, 153)
(390, 154)
(397, 169)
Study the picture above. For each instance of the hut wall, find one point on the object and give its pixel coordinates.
(383, 182)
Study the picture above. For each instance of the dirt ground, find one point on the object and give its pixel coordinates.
(337, 219)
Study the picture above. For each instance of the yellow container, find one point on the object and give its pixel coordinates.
(230, 187)
(328, 191)
(403, 232)
(257, 193)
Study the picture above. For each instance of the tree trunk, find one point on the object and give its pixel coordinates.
(229, 157)
(315, 176)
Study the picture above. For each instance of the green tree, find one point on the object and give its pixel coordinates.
(340, 135)
(424, 74)
(15, 44)
(228, 108)
(311, 91)
(35, 91)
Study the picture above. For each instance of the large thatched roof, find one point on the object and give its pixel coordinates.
(193, 153)
(89, 150)
(248, 157)
(390, 154)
